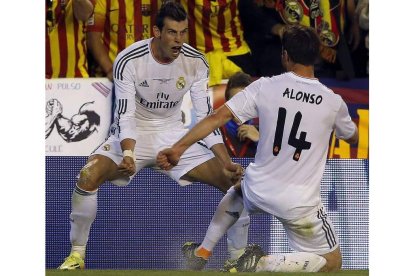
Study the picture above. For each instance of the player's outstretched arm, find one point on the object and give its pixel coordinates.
(168, 158)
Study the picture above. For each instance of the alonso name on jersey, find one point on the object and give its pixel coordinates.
(302, 96)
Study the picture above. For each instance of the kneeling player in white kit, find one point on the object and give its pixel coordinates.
(297, 116)
(151, 78)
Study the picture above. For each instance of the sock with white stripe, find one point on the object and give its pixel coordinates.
(291, 262)
(84, 208)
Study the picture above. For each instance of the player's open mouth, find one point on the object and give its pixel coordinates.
(176, 50)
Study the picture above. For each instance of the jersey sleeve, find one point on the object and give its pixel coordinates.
(201, 102)
(124, 99)
(96, 23)
(344, 126)
(243, 105)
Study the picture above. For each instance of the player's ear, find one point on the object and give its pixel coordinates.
(157, 31)
(285, 55)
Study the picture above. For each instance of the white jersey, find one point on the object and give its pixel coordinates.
(149, 94)
(297, 116)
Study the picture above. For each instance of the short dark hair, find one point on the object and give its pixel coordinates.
(301, 43)
(239, 79)
(171, 9)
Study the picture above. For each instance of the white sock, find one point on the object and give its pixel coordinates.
(237, 236)
(291, 262)
(81, 249)
(227, 213)
(84, 208)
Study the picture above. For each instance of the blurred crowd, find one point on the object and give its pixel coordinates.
(83, 37)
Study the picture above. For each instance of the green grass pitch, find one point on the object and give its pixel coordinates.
(54, 272)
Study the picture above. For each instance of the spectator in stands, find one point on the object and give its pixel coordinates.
(240, 141)
(65, 38)
(215, 30)
(362, 16)
(114, 26)
(336, 26)
(263, 36)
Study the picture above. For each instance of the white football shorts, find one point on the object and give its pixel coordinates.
(313, 233)
(146, 149)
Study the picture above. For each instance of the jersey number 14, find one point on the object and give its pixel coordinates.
(299, 144)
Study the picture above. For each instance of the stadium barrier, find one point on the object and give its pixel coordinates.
(143, 225)
(77, 96)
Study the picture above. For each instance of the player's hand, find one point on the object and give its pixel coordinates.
(127, 166)
(233, 171)
(167, 159)
(248, 131)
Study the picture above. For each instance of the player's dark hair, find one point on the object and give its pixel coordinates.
(172, 10)
(301, 43)
(239, 79)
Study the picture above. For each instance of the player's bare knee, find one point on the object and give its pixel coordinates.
(87, 181)
(90, 176)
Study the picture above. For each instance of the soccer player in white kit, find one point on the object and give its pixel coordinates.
(297, 116)
(151, 78)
